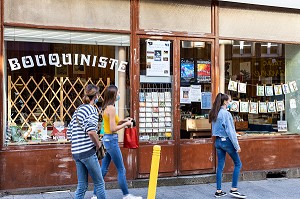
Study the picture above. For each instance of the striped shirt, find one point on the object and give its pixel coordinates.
(84, 119)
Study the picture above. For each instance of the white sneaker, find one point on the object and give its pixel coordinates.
(130, 196)
(94, 197)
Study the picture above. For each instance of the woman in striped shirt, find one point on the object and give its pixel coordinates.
(82, 132)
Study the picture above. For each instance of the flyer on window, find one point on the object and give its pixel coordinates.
(185, 95)
(282, 126)
(195, 94)
(158, 58)
(206, 100)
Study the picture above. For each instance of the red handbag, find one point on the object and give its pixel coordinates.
(131, 140)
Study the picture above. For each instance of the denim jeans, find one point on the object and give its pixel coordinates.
(114, 154)
(90, 166)
(224, 146)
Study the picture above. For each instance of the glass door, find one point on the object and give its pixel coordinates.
(196, 151)
(195, 89)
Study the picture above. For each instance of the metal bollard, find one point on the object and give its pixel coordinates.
(154, 172)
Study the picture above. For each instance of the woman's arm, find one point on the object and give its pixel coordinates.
(124, 120)
(95, 139)
(111, 111)
(230, 131)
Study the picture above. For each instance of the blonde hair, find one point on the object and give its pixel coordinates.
(90, 92)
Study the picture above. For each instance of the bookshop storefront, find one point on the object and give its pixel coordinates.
(168, 67)
(44, 70)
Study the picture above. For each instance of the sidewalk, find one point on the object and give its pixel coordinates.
(281, 188)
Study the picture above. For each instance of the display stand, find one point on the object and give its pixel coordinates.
(155, 112)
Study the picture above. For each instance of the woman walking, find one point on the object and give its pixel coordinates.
(82, 132)
(112, 124)
(226, 142)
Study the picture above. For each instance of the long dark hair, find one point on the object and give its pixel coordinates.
(90, 92)
(110, 95)
(219, 101)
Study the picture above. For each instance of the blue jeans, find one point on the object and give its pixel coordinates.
(114, 154)
(90, 166)
(224, 146)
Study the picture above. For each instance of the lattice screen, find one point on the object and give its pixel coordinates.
(49, 99)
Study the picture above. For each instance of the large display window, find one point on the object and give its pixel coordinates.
(46, 72)
(263, 81)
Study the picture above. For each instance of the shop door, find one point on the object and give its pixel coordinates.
(174, 76)
(156, 105)
(196, 151)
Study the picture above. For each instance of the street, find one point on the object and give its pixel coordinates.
(280, 188)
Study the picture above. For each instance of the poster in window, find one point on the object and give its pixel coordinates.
(203, 71)
(242, 87)
(253, 107)
(244, 107)
(293, 86)
(187, 70)
(263, 108)
(269, 91)
(280, 106)
(260, 90)
(271, 107)
(235, 106)
(158, 58)
(206, 100)
(185, 95)
(285, 88)
(278, 89)
(232, 85)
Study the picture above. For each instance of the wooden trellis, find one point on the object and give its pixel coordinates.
(46, 99)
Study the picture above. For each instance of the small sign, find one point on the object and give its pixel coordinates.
(282, 126)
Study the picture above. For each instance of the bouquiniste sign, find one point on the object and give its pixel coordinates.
(66, 59)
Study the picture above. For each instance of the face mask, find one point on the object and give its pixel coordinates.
(118, 98)
(229, 106)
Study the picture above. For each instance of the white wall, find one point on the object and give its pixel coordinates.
(101, 14)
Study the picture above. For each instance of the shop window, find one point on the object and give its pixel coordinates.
(263, 87)
(155, 95)
(195, 89)
(46, 73)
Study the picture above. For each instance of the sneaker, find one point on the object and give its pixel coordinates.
(130, 196)
(237, 194)
(94, 197)
(220, 194)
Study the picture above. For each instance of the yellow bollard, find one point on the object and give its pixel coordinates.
(154, 172)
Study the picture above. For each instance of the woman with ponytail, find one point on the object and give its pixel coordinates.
(112, 124)
(82, 132)
(226, 142)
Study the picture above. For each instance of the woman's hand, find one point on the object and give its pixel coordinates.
(239, 150)
(128, 123)
(98, 145)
